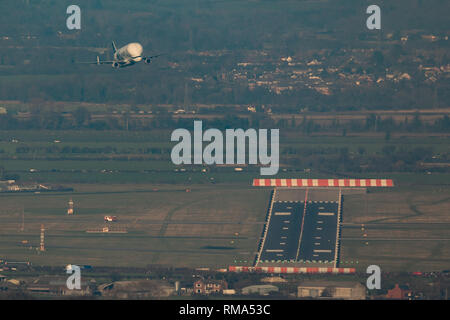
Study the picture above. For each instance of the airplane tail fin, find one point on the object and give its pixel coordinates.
(114, 47)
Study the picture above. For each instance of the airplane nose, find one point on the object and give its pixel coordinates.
(135, 49)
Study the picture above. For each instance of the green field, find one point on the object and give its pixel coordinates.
(105, 157)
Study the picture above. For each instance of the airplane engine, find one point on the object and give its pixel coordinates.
(115, 65)
(148, 60)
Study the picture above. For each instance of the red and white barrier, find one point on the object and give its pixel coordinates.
(323, 183)
(310, 270)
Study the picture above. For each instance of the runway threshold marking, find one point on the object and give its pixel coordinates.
(326, 213)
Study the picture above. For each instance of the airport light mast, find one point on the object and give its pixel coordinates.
(42, 246)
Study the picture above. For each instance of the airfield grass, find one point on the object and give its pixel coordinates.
(166, 225)
(406, 227)
(396, 256)
(406, 204)
(402, 229)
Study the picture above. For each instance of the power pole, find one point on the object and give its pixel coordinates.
(186, 95)
(22, 228)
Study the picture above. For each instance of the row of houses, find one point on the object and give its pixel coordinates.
(313, 289)
(344, 290)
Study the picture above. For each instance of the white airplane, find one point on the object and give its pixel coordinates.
(126, 56)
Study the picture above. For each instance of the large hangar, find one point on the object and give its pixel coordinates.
(303, 221)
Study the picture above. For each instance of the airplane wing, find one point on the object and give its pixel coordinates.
(158, 55)
(149, 57)
(98, 62)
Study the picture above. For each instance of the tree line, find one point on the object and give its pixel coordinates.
(81, 119)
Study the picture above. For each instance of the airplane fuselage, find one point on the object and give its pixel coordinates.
(128, 55)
